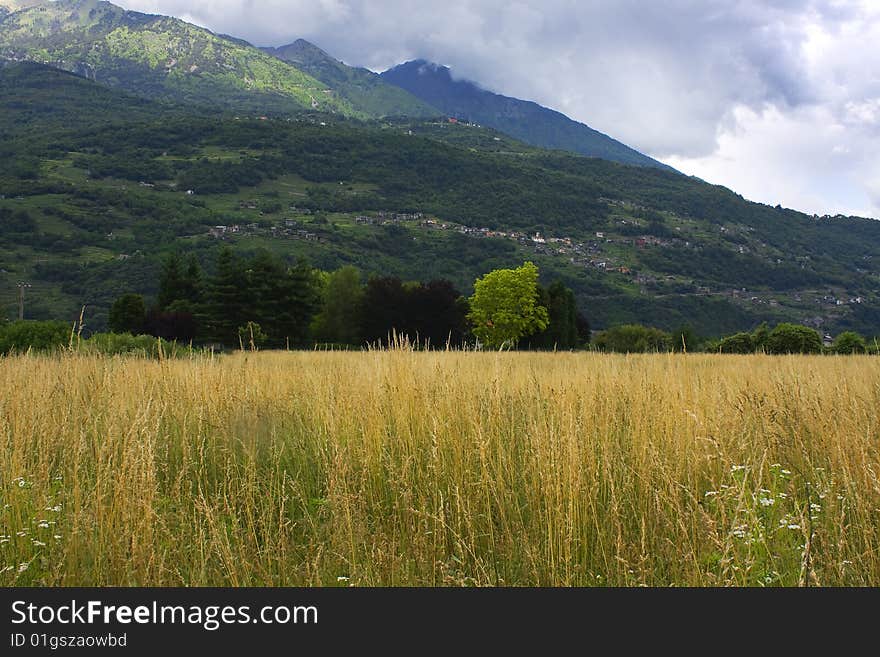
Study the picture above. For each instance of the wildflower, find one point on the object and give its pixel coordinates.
(57, 536)
(342, 578)
(7, 569)
(3, 540)
(43, 524)
(782, 496)
(710, 493)
(785, 472)
(767, 501)
(738, 468)
(793, 526)
(23, 532)
(740, 531)
(23, 567)
(815, 508)
(38, 543)
(56, 508)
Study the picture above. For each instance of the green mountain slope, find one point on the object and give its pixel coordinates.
(522, 119)
(89, 207)
(160, 57)
(362, 88)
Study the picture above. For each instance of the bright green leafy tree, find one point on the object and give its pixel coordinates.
(339, 318)
(505, 307)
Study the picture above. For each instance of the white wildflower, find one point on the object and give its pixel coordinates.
(767, 501)
(38, 543)
(23, 567)
(740, 531)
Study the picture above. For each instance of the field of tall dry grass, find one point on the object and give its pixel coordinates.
(433, 468)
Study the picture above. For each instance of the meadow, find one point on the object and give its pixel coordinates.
(417, 468)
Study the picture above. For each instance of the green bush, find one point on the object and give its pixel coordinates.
(633, 338)
(850, 342)
(38, 335)
(739, 343)
(793, 339)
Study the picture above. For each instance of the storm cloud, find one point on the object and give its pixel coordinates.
(776, 99)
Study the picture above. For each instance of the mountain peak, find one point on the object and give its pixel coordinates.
(360, 86)
(522, 119)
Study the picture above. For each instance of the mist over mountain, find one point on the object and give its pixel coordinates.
(522, 119)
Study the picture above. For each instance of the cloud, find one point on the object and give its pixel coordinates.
(710, 86)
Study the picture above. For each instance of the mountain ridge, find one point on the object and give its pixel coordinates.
(360, 86)
(160, 57)
(522, 119)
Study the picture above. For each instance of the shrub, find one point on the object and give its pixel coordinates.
(850, 342)
(633, 338)
(739, 343)
(28, 334)
(794, 339)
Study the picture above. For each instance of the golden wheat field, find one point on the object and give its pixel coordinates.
(440, 468)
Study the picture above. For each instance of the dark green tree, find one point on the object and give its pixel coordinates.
(281, 299)
(171, 281)
(562, 329)
(128, 314)
(226, 299)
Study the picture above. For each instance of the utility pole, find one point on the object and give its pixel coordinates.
(21, 286)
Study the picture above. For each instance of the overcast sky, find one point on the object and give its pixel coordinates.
(777, 99)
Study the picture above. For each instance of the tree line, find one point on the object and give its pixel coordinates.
(261, 301)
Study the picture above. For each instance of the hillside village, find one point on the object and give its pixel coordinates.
(605, 252)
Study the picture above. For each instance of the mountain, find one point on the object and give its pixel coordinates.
(159, 57)
(97, 186)
(359, 86)
(522, 119)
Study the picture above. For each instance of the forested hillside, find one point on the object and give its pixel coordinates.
(97, 187)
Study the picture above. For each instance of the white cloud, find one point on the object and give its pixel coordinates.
(777, 99)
